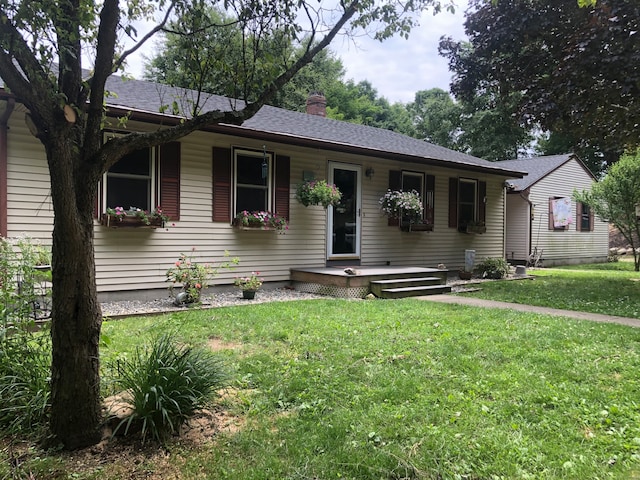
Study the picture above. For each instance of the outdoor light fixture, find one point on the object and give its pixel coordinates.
(265, 165)
(369, 172)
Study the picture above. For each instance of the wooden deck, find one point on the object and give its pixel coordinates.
(357, 282)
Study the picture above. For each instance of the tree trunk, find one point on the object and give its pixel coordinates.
(76, 316)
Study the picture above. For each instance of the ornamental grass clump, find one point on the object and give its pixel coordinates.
(399, 204)
(165, 384)
(318, 192)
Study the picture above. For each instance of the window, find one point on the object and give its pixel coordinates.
(467, 206)
(248, 190)
(145, 179)
(421, 183)
(585, 218)
(252, 181)
(467, 202)
(129, 183)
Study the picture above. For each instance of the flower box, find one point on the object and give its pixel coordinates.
(129, 221)
(416, 227)
(238, 225)
(475, 229)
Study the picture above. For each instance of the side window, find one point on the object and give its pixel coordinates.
(130, 182)
(585, 218)
(252, 181)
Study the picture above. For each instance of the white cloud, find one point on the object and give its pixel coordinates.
(397, 68)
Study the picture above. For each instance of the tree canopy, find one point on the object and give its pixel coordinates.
(574, 70)
(43, 47)
(616, 199)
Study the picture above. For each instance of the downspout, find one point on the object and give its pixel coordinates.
(4, 161)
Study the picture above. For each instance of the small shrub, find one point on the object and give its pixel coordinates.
(166, 384)
(493, 267)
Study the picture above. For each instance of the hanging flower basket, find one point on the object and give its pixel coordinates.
(318, 192)
(406, 206)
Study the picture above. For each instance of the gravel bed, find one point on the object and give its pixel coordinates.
(222, 299)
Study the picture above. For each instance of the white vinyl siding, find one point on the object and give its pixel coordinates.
(518, 228)
(570, 245)
(137, 259)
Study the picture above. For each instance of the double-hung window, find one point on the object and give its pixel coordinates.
(422, 183)
(585, 217)
(129, 183)
(252, 181)
(467, 203)
(144, 179)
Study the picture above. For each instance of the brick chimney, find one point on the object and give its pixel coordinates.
(317, 104)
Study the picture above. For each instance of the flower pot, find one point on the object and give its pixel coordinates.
(465, 275)
(248, 294)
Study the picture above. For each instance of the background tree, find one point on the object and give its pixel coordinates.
(616, 198)
(436, 117)
(35, 35)
(576, 65)
(209, 58)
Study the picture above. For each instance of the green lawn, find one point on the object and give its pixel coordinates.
(608, 288)
(337, 389)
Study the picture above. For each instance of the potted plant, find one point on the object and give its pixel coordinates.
(118, 217)
(249, 284)
(318, 192)
(260, 220)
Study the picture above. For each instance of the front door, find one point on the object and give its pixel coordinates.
(343, 236)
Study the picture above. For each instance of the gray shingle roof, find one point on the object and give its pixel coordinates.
(152, 98)
(149, 97)
(537, 168)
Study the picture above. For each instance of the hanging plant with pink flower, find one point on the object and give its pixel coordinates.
(318, 192)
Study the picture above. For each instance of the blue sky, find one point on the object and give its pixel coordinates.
(397, 68)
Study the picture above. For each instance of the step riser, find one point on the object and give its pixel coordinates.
(379, 287)
(414, 292)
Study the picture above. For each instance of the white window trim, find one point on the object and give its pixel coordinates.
(269, 186)
(154, 177)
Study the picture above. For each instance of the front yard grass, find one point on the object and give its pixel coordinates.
(607, 288)
(338, 389)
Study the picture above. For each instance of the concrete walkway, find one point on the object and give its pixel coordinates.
(478, 302)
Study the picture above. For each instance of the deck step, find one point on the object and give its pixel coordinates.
(395, 287)
(402, 292)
